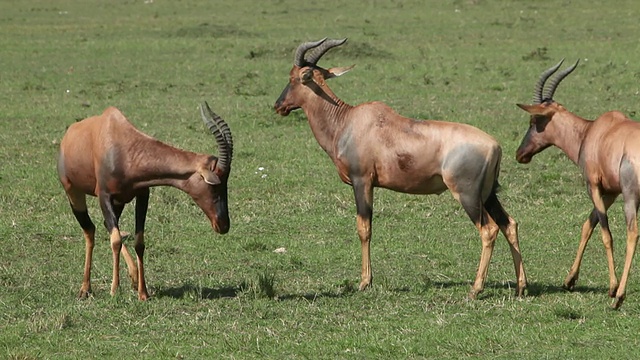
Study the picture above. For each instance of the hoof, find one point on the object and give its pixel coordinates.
(613, 291)
(473, 295)
(134, 282)
(364, 285)
(84, 294)
(569, 284)
(617, 302)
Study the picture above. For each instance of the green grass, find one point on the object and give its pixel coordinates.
(232, 296)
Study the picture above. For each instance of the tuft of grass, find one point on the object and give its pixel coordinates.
(263, 287)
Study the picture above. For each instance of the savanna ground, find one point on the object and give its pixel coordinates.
(232, 296)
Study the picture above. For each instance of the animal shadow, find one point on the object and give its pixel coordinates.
(200, 292)
(534, 289)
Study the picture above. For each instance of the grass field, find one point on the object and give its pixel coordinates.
(232, 296)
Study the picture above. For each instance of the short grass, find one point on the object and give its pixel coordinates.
(232, 296)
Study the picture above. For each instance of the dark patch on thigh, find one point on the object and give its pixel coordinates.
(465, 167)
(406, 162)
(111, 169)
(472, 206)
(629, 179)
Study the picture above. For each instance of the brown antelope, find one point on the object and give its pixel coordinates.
(372, 146)
(608, 152)
(107, 157)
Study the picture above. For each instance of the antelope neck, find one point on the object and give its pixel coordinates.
(571, 134)
(327, 120)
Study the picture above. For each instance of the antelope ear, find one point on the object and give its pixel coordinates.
(337, 71)
(306, 74)
(537, 109)
(209, 177)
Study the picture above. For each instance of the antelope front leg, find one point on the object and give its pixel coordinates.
(116, 245)
(364, 200)
(111, 222)
(131, 266)
(587, 230)
(142, 203)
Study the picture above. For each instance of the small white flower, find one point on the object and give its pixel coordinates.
(263, 176)
(280, 250)
(260, 168)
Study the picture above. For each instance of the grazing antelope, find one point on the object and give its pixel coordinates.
(607, 150)
(107, 157)
(372, 146)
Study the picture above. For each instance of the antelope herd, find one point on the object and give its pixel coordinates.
(371, 146)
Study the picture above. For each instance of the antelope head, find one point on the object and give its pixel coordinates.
(208, 188)
(543, 110)
(306, 76)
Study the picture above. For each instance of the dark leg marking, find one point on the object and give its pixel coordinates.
(84, 219)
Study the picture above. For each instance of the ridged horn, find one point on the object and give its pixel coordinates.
(553, 85)
(319, 51)
(220, 130)
(298, 59)
(537, 91)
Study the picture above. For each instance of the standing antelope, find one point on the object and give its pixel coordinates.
(607, 151)
(107, 157)
(372, 146)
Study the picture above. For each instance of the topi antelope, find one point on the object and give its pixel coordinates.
(372, 146)
(107, 157)
(608, 152)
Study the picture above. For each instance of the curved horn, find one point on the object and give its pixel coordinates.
(222, 133)
(298, 59)
(557, 79)
(537, 91)
(319, 51)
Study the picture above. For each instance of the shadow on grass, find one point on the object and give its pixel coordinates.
(189, 290)
(202, 293)
(533, 288)
(536, 289)
(315, 296)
